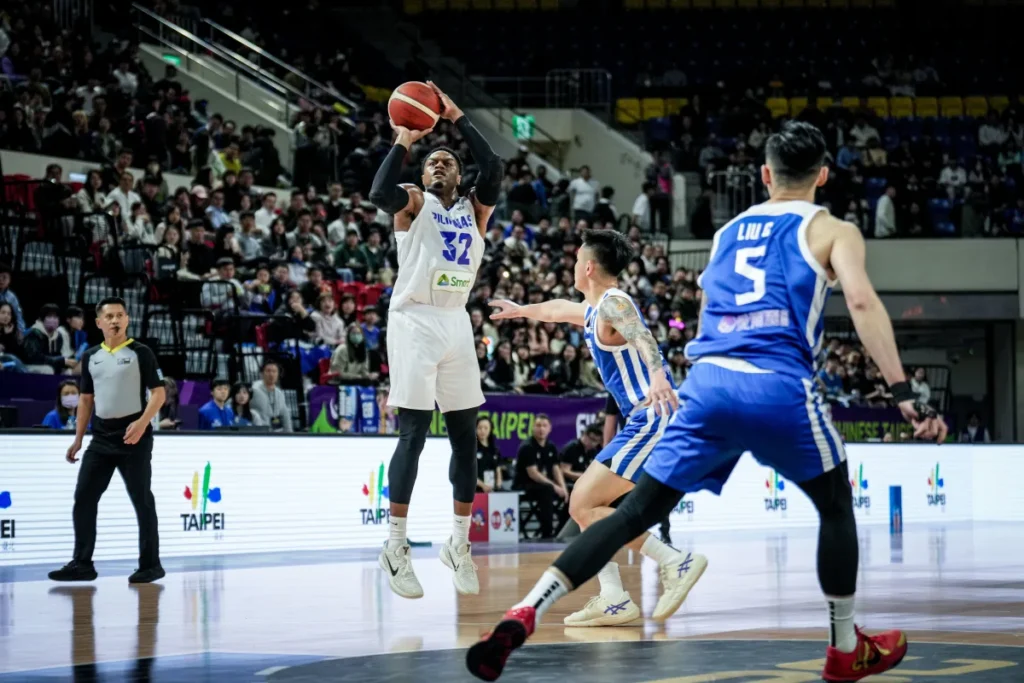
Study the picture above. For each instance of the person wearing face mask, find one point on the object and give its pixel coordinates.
(47, 345)
(350, 361)
(64, 415)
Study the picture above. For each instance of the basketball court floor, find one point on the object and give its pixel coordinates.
(756, 615)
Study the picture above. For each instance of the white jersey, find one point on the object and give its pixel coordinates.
(439, 256)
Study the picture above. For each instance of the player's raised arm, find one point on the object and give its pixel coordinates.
(620, 313)
(553, 311)
(386, 193)
(488, 182)
(847, 259)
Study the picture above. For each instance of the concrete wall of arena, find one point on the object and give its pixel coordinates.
(235, 97)
(613, 158)
(231, 493)
(933, 265)
(34, 166)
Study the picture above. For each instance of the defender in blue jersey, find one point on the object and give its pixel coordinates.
(633, 371)
(751, 389)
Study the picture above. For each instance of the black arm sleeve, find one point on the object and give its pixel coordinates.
(86, 386)
(488, 184)
(385, 193)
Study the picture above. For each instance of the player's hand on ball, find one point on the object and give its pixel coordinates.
(407, 136)
(506, 310)
(448, 109)
(73, 451)
(662, 396)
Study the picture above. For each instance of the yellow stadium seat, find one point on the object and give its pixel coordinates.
(437, 5)
(824, 102)
(797, 105)
(901, 107)
(771, 4)
(633, 4)
(880, 106)
(850, 103)
(999, 102)
(725, 4)
(951, 107)
(748, 4)
(839, 3)
(627, 111)
(703, 4)
(656, 4)
(458, 5)
(793, 3)
(817, 4)
(679, 4)
(526, 4)
(977, 107)
(652, 108)
(674, 105)
(926, 107)
(412, 6)
(505, 5)
(481, 4)
(778, 106)
(549, 4)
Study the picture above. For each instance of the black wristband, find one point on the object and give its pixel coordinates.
(901, 392)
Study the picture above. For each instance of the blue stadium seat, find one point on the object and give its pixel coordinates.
(966, 147)
(945, 229)
(939, 211)
(874, 187)
(891, 141)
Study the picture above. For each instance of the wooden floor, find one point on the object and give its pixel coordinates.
(757, 615)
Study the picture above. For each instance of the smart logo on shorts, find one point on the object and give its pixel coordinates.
(376, 492)
(935, 485)
(199, 498)
(6, 525)
(860, 489)
(774, 498)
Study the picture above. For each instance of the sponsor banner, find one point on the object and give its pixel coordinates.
(236, 493)
(223, 494)
(480, 521)
(870, 425)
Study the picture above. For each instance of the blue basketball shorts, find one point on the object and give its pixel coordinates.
(626, 454)
(781, 419)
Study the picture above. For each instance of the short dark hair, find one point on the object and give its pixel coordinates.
(46, 310)
(594, 430)
(796, 153)
(268, 363)
(74, 312)
(442, 148)
(110, 301)
(611, 249)
(219, 382)
(541, 416)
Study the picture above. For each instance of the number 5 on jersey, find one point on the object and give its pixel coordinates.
(752, 273)
(465, 240)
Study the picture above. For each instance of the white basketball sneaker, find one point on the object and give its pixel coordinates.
(600, 611)
(463, 570)
(398, 566)
(677, 578)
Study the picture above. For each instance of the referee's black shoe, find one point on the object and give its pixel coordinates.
(74, 571)
(147, 575)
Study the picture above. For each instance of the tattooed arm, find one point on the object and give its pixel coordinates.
(620, 313)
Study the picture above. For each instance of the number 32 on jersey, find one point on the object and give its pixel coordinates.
(457, 246)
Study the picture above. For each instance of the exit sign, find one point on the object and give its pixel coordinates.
(522, 127)
(172, 59)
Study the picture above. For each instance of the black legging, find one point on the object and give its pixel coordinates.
(413, 427)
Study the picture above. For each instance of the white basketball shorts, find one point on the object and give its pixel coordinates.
(432, 358)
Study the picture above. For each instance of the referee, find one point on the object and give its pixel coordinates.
(116, 375)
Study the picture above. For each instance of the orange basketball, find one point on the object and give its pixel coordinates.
(415, 106)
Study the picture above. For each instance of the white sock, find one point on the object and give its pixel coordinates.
(396, 533)
(658, 551)
(460, 531)
(841, 633)
(545, 593)
(611, 582)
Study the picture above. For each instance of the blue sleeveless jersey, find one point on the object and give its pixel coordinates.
(622, 370)
(765, 291)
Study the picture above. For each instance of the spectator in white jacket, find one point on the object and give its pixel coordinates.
(268, 399)
(885, 214)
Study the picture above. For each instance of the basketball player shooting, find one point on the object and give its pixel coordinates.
(633, 371)
(751, 389)
(430, 340)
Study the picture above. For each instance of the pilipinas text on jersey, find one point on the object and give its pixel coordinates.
(622, 370)
(438, 257)
(765, 292)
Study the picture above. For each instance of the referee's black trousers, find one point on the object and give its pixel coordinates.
(102, 457)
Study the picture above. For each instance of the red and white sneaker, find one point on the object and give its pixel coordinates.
(486, 659)
(873, 655)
